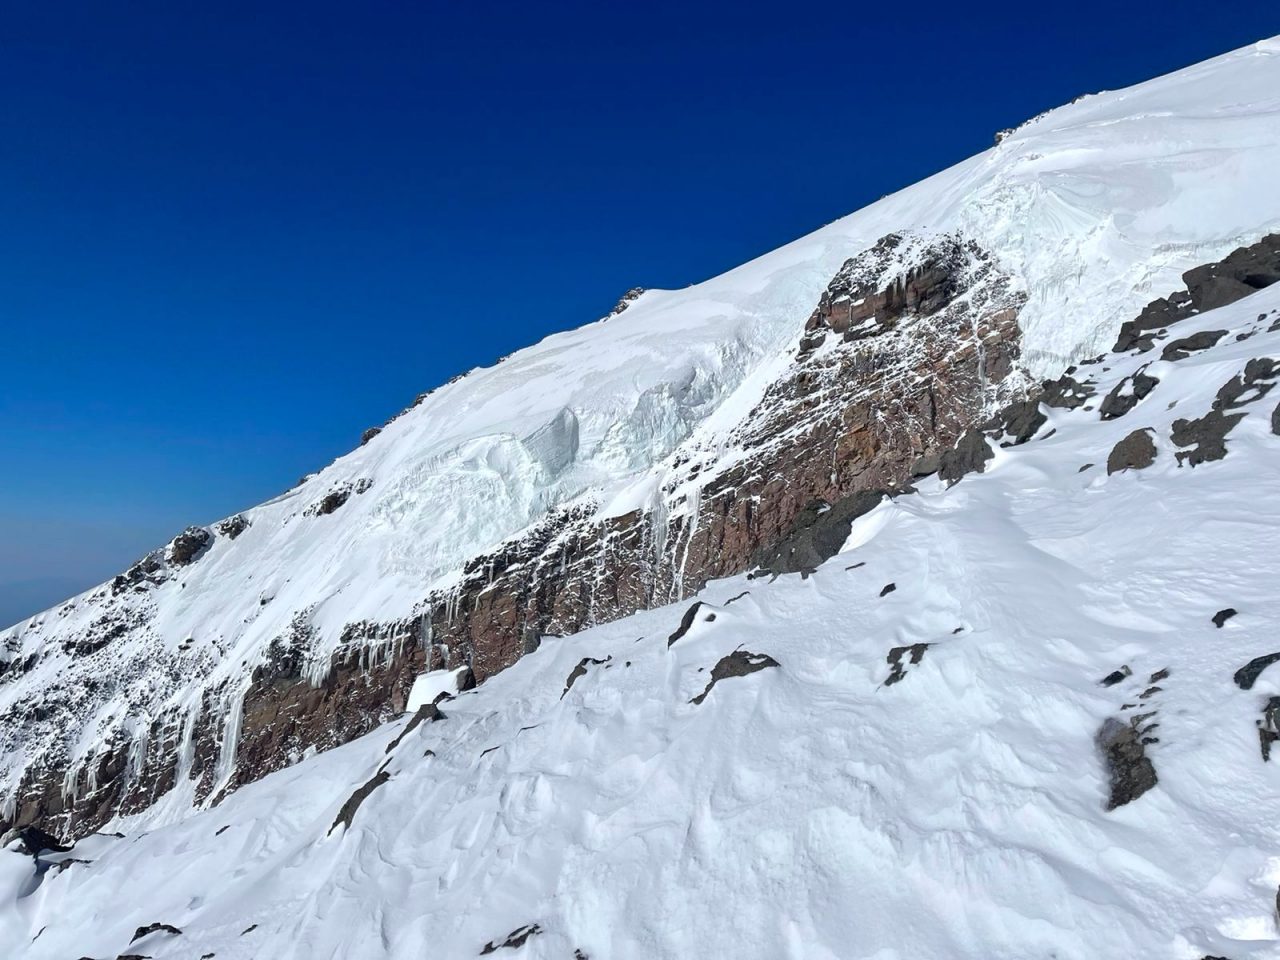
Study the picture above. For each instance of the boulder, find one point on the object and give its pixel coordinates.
(1137, 451)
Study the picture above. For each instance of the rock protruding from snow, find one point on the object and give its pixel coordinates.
(1131, 771)
(1241, 273)
(1136, 451)
(740, 663)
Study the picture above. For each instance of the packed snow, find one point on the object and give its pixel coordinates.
(917, 776)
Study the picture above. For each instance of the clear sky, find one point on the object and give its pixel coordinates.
(234, 235)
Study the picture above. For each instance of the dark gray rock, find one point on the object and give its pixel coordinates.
(232, 527)
(330, 502)
(1207, 436)
(516, 938)
(1019, 422)
(927, 464)
(1126, 394)
(969, 455)
(740, 663)
(686, 622)
(369, 434)
(1269, 727)
(1137, 451)
(1065, 393)
(1210, 286)
(1111, 679)
(817, 534)
(36, 841)
(888, 589)
(895, 659)
(154, 927)
(353, 802)
(189, 546)
(580, 671)
(1252, 383)
(1184, 347)
(626, 300)
(427, 713)
(1248, 675)
(1222, 616)
(1131, 772)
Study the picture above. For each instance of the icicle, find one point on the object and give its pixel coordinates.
(695, 509)
(234, 706)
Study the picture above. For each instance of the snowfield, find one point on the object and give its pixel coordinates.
(897, 773)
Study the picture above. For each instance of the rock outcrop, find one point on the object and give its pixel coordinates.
(909, 351)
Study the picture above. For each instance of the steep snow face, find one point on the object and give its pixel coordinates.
(897, 756)
(1093, 208)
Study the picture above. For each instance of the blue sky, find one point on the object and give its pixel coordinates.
(234, 235)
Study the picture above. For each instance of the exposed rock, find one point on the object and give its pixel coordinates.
(336, 497)
(514, 939)
(188, 546)
(1248, 675)
(1131, 771)
(888, 589)
(1111, 679)
(330, 502)
(740, 663)
(1222, 616)
(368, 434)
(628, 298)
(353, 802)
(969, 455)
(919, 385)
(1240, 274)
(1137, 451)
(898, 665)
(232, 527)
(1269, 727)
(818, 534)
(1065, 393)
(1207, 436)
(927, 465)
(1018, 422)
(858, 305)
(581, 671)
(686, 622)
(1252, 383)
(35, 841)
(151, 570)
(1126, 394)
(152, 928)
(1183, 348)
(428, 713)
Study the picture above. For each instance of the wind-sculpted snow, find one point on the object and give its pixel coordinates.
(1039, 743)
(1089, 210)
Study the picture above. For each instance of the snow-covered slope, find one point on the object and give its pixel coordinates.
(911, 753)
(1091, 210)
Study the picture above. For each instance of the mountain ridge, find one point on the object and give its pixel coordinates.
(305, 621)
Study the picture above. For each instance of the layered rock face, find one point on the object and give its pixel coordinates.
(907, 365)
(911, 343)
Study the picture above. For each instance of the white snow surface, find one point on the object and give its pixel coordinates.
(810, 810)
